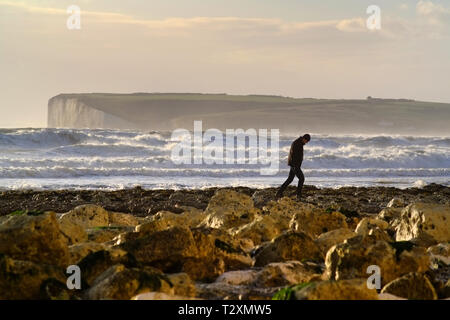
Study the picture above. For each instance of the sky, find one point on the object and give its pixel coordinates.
(320, 49)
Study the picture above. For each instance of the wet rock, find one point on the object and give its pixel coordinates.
(23, 280)
(288, 246)
(424, 221)
(328, 239)
(34, 238)
(351, 259)
(354, 289)
(228, 209)
(413, 286)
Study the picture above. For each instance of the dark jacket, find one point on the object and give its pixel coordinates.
(295, 158)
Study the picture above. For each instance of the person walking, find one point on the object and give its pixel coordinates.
(295, 160)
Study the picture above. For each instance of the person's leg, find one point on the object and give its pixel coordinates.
(301, 181)
(286, 183)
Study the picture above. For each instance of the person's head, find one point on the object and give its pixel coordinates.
(306, 138)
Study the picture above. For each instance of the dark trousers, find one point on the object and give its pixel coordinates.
(295, 171)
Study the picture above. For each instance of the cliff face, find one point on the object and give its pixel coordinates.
(170, 111)
(66, 112)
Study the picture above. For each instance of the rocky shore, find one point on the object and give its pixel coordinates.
(226, 243)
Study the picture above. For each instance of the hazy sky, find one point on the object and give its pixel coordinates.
(296, 48)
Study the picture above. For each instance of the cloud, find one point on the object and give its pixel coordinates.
(434, 13)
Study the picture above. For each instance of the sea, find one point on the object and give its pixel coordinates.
(53, 159)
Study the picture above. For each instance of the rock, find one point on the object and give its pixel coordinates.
(328, 239)
(204, 269)
(283, 210)
(160, 296)
(223, 291)
(105, 234)
(424, 221)
(239, 277)
(288, 246)
(179, 284)
(396, 203)
(285, 273)
(380, 234)
(366, 224)
(86, 216)
(80, 250)
(390, 214)
(353, 289)
(121, 283)
(228, 209)
(24, 280)
(351, 259)
(122, 219)
(440, 253)
(413, 286)
(165, 249)
(262, 197)
(263, 228)
(388, 296)
(34, 238)
(95, 263)
(165, 219)
(73, 232)
(315, 221)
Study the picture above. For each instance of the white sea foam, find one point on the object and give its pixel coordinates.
(46, 158)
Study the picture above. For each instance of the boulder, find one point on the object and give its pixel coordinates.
(80, 250)
(315, 221)
(366, 224)
(228, 209)
(351, 259)
(440, 253)
(390, 214)
(279, 274)
(160, 296)
(353, 289)
(74, 233)
(163, 220)
(288, 246)
(263, 228)
(396, 203)
(413, 286)
(34, 238)
(328, 239)
(105, 234)
(122, 219)
(165, 249)
(24, 280)
(238, 277)
(86, 216)
(424, 221)
(121, 283)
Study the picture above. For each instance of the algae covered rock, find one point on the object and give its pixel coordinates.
(328, 239)
(34, 238)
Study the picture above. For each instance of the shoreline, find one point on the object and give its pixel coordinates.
(143, 202)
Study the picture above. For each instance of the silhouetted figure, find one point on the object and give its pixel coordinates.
(295, 160)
